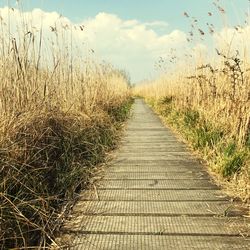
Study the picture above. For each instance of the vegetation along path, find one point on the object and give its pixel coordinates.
(155, 195)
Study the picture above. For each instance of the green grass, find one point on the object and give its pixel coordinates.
(120, 113)
(233, 164)
(221, 151)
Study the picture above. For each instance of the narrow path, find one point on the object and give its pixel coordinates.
(155, 195)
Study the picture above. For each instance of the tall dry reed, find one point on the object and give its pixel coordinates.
(209, 100)
(60, 112)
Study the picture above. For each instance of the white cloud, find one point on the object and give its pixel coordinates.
(131, 44)
(200, 50)
(230, 39)
(157, 24)
(128, 44)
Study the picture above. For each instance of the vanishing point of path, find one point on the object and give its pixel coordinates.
(155, 195)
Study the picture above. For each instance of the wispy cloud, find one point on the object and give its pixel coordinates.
(157, 24)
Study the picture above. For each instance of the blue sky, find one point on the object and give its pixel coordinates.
(145, 11)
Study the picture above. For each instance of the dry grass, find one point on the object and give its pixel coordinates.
(210, 105)
(222, 95)
(59, 114)
(211, 108)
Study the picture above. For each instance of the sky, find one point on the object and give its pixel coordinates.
(135, 34)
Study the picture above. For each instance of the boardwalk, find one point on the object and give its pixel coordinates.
(155, 195)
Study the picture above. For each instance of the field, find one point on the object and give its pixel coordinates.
(60, 112)
(208, 103)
